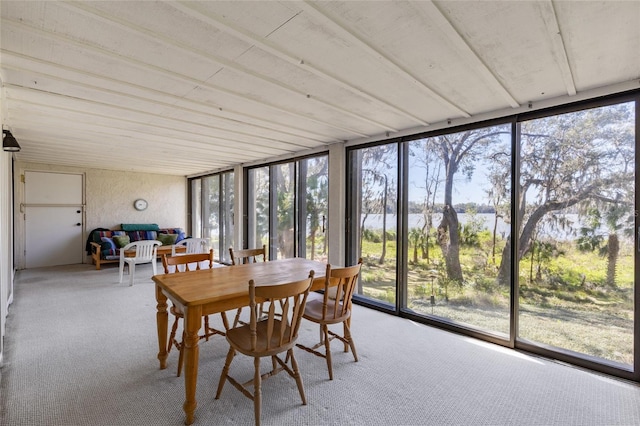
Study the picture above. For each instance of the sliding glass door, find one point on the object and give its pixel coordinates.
(373, 222)
(313, 188)
(287, 208)
(522, 231)
(576, 232)
(212, 211)
(258, 211)
(458, 226)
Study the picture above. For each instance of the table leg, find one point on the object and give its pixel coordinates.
(161, 321)
(193, 321)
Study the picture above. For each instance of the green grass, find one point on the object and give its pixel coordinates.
(568, 305)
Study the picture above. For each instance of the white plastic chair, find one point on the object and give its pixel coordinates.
(146, 252)
(194, 245)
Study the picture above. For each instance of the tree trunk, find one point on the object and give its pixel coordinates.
(449, 241)
(504, 272)
(613, 249)
(313, 243)
(384, 224)
(533, 249)
(493, 242)
(425, 241)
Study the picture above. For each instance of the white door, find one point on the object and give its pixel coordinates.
(53, 219)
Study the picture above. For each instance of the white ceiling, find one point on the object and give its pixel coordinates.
(187, 87)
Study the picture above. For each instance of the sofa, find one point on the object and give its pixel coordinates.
(104, 245)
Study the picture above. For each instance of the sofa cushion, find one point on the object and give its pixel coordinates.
(167, 239)
(142, 235)
(107, 246)
(97, 235)
(121, 240)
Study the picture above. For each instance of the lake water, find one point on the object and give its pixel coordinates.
(374, 221)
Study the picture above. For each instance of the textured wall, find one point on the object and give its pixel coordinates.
(109, 197)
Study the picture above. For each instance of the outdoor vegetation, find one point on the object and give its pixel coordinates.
(573, 218)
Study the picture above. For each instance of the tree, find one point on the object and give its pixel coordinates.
(617, 217)
(316, 175)
(499, 193)
(459, 153)
(284, 179)
(415, 235)
(380, 203)
(378, 190)
(428, 160)
(569, 159)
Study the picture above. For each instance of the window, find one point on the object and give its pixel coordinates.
(521, 232)
(287, 208)
(458, 226)
(212, 204)
(576, 232)
(373, 230)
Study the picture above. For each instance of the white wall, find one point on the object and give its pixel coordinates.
(109, 197)
(6, 237)
(336, 230)
(6, 242)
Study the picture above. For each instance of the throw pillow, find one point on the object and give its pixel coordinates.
(121, 240)
(167, 239)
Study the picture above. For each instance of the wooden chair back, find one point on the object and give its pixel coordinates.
(189, 261)
(279, 331)
(339, 285)
(239, 257)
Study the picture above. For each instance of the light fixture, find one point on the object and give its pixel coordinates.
(9, 143)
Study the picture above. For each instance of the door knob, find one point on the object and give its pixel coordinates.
(78, 224)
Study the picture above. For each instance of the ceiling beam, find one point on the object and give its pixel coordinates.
(339, 26)
(152, 94)
(233, 124)
(224, 25)
(222, 62)
(97, 134)
(431, 12)
(146, 67)
(558, 50)
(210, 130)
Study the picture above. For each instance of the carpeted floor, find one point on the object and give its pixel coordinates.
(81, 350)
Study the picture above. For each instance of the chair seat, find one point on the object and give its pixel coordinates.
(268, 338)
(240, 339)
(314, 295)
(313, 312)
(333, 307)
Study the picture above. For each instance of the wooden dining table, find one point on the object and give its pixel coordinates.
(211, 291)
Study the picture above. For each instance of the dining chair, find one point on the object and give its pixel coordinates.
(240, 257)
(146, 252)
(333, 307)
(268, 337)
(193, 245)
(248, 255)
(191, 262)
